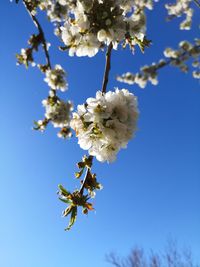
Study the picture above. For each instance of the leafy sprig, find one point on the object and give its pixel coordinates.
(79, 198)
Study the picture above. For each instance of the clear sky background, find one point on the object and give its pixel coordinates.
(151, 193)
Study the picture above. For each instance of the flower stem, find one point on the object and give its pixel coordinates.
(107, 68)
(197, 3)
(41, 33)
(104, 87)
(85, 180)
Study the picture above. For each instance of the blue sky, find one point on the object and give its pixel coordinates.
(151, 193)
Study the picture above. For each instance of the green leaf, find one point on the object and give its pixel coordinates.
(65, 200)
(67, 211)
(78, 174)
(73, 218)
(143, 44)
(36, 127)
(63, 190)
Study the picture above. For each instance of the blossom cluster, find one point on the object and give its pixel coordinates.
(106, 123)
(176, 58)
(146, 74)
(93, 24)
(59, 113)
(55, 78)
(186, 51)
(181, 7)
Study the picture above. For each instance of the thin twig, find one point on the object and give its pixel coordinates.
(104, 87)
(114, 260)
(197, 3)
(41, 33)
(85, 180)
(107, 68)
(185, 53)
(171, 60)
(90, 158)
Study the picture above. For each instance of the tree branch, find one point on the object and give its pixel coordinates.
(104, 87)
(41, 33)
(185, 53)
(152, 69)
(107, 68)
(114, 260)
(197, 3)
(85, 178)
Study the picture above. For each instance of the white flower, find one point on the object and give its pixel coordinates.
(92, 25)
(106, 123)
(181, 7)
(56, 78)
(170, 53)
(58, 112)
(89, 47)
(105, 36)
(196, 74)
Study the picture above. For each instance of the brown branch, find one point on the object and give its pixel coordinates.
(41, 33)
(86, 176)
(197, 3)
(85, 180)
(104, 87)
(114, 260)
(185, 53)
(172, 60)
(107, 68)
